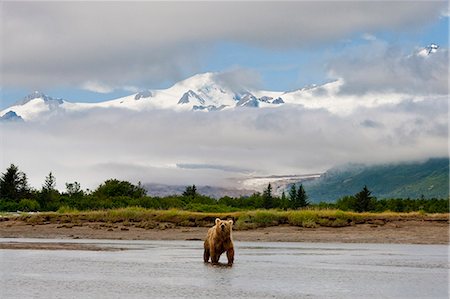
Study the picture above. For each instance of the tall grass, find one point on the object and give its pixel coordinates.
(243, 219)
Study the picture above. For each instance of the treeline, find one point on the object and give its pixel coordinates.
(16, 195)
(363, 201)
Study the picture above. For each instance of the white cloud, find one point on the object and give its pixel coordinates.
(377, 66)
(212, 148)
(131, 88)
(446, 12)
(239, 79)
(97, 87)
(369, 37)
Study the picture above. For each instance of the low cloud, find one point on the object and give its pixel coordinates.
(213, 167)
(216, 148)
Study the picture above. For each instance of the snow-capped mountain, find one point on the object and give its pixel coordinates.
(428, 50)
(207, 92)
(10, 116)
(201, 92)
(32, 106)
(198, 93)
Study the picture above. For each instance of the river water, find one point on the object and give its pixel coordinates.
(174, 269)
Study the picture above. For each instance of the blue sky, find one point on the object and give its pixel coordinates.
(275, 67)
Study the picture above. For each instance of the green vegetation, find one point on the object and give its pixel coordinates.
(267, 198)
(116, 188)
(150, 218)
(13, 184)
(407, 180)
(363, 201)
(15, 195)
(298, 198)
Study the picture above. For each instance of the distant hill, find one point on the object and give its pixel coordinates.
(430, 179)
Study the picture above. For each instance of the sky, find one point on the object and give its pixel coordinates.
(96, 51)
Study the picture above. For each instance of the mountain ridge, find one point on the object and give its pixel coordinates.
(428, 178)
(211, 92)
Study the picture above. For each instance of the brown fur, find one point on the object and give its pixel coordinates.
(218, 241)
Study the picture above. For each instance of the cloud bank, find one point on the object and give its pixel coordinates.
(215, 148)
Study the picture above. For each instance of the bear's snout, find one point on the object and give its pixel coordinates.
(222, 226)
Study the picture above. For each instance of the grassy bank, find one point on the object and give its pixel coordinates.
(148, 218)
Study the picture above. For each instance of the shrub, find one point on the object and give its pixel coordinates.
(8, 205)
(244, 222)
(205, 208)
(28, 205)
(304, 218)
(116, 188)
(67, 210)
(266, 218)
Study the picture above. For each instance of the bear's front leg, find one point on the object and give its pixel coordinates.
(214, 256)
(230, 255)
(206, 255)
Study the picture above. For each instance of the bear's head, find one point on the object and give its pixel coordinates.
(224, 227)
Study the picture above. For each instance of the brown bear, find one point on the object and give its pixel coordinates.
(218, 241)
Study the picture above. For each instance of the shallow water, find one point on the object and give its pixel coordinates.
(168, 269)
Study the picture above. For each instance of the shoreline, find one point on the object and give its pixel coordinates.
(394, 232)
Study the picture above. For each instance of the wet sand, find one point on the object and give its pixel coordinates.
(395, 232)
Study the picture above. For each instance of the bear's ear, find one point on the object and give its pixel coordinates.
(230, 221)
(217, 220)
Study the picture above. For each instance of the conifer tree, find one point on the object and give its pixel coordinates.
(191, 191)
(302, 198)
(50, 183)
(13, 184)
(292, 196)
(268, 198)
(363, 200)
(284, 202)
(49, 195)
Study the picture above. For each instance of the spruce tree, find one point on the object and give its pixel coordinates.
(49, 195)
(292, 196)
(284, 202)
(24, 189)
(268, 198)
(302, 198)
(363, 200)
(50, 183)
(13, 184)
